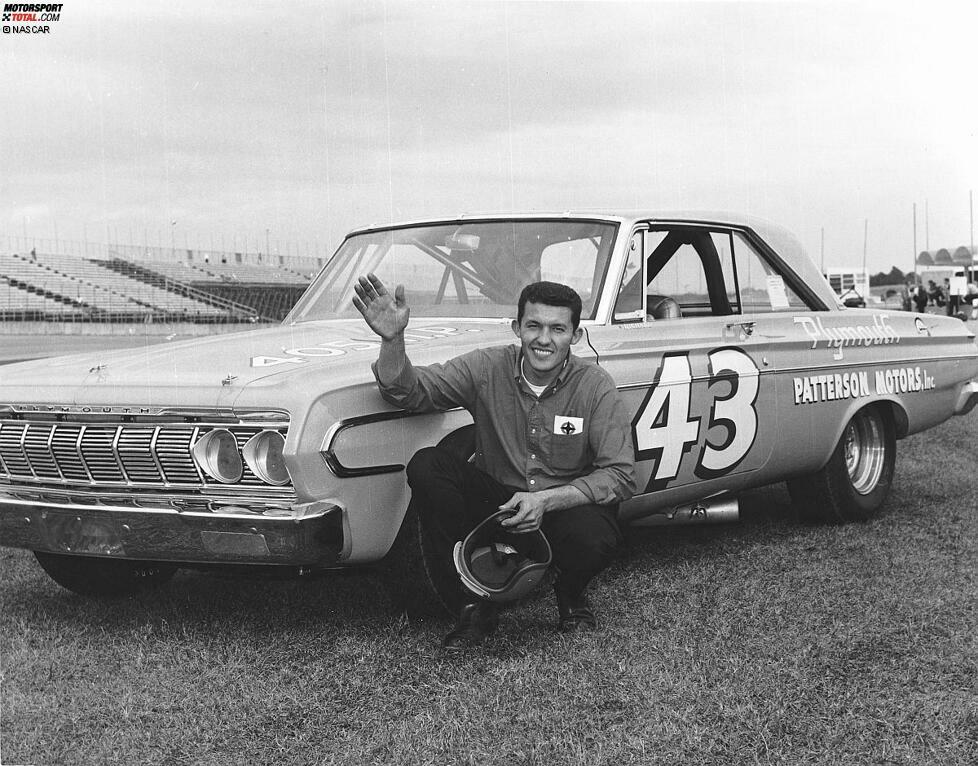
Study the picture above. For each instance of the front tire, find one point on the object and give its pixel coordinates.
(92, 576)
(414, 587)
(413, 580)
(854, 484)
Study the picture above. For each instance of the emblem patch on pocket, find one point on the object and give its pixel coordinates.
(567, 426)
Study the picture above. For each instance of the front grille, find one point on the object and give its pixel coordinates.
(106, 454)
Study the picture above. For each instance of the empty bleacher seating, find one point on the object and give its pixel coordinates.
(116, 288)
(149, 296)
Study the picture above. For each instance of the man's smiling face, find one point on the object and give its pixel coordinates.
(546, 334)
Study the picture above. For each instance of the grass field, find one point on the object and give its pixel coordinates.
(761, 642)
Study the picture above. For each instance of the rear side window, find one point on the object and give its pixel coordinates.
(687, 271)
(759, 288)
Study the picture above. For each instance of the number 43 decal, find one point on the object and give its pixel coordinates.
(664, 428)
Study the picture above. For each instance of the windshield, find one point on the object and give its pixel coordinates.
(465, 269)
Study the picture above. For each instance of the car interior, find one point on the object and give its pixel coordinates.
(691, 271)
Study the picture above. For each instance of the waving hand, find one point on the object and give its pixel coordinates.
(386, 314)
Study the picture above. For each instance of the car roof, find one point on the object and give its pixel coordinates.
(780, 239)
(722, 217)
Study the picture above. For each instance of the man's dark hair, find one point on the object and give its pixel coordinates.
(550, 294)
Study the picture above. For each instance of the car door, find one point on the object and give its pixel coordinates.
(702, 382)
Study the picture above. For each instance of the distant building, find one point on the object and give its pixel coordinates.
(947, 263)
(849, 282)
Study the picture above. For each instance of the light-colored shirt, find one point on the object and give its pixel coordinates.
(576, 433)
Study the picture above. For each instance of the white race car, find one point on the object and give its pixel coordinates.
(273, 447)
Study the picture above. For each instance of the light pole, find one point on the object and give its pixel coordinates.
(915, 275)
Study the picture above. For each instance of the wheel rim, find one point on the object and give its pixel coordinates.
(865, 452)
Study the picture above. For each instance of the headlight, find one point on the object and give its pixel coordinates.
(217, 455)
(263, 454)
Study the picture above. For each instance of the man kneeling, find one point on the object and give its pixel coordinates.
(552, 446)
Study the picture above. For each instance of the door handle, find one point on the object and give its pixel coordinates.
(739, 330)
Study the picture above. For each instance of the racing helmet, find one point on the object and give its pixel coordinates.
(500, 565)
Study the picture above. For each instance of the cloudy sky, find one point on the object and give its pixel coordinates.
(228, 122)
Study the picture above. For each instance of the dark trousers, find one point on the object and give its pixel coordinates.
(451, 496)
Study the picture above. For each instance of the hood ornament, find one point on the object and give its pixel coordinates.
(229, 380)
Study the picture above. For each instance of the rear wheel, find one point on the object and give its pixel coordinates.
(92, 576)
(855, 482)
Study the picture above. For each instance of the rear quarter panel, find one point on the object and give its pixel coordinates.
(814, 371)
(842, 361)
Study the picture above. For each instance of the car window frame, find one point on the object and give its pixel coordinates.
(765, 252)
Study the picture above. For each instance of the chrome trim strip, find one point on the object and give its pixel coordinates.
(50, 449)
(160, 510)
(81, 454)
(41, 496)
(694, 379)
(194, 437)
(115, 455)
(343, 472)
(156, 457)
(835, 368)
(273, 416)
(374, 417)
(23, 450)
(816, 369)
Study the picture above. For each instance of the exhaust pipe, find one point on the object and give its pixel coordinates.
(709, 511)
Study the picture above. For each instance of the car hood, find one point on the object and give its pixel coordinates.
(217, 371)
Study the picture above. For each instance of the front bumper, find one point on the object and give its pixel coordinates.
(309, 535)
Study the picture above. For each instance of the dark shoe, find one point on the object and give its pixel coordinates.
(476, 622)
(576, 614)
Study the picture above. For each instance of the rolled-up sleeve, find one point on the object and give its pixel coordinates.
(613, 477)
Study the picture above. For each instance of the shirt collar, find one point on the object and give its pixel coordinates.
(518, 369)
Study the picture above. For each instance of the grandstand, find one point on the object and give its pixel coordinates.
(21, 301)
(114, 288)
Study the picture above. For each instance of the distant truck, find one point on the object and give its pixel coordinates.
(851, 285)
(959, 276)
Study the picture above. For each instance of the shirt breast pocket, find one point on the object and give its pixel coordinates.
(568, 452)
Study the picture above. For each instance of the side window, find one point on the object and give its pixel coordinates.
(681, 278)
(758, 289)
(630, 305)
(692, 271)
